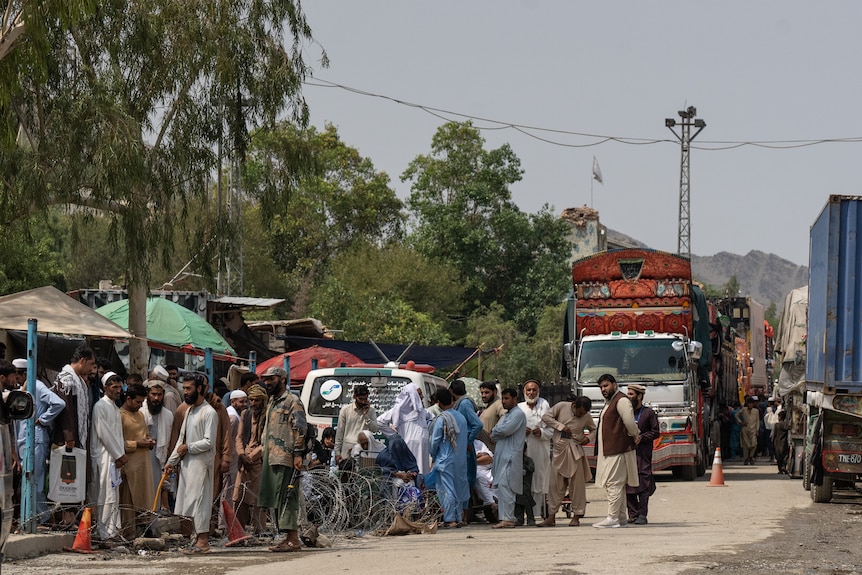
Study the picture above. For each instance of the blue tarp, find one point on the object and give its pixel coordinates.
(438, 356)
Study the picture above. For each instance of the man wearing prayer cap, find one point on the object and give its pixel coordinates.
(637, 498)
(173, 398)
(238, 404)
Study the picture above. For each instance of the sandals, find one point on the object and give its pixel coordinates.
(195, 550)
(286, 547)
(503, 525)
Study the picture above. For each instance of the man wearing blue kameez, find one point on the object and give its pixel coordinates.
(465, 406)
(508, 467)
(449, 451)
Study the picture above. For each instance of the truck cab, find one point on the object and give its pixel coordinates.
(666, 365)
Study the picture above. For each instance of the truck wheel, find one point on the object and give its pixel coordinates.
(701, 462)
(822, 493)
(688, 472)
(806, 473)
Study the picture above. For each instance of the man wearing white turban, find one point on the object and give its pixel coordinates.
(409, 419)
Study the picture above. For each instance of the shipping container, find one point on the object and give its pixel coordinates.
(835, 299)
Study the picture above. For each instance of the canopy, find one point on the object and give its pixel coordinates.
(55, 312)
(172, 325)
(300, 361)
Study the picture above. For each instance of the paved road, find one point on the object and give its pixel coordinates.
(688, 521)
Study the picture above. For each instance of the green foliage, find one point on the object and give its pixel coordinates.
(462, 204)
(772, 315)
(547, 343)
(31, 257)
(391, 294)
(318, 198)
(731, 288)
(514, 361)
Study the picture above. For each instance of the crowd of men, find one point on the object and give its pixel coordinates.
(161, 442)
(158, 442)
(521, 460)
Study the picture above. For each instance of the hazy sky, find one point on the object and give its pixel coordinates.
(756, 71)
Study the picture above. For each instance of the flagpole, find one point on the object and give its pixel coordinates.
(591, 187)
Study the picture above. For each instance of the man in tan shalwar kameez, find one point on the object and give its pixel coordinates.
(617, 465)
(136, 490)
(569, 466)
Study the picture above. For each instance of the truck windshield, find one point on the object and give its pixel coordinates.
(642, 360)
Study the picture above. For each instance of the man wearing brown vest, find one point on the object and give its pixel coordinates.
(615, 445)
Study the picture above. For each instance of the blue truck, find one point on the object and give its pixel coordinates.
(833, 367)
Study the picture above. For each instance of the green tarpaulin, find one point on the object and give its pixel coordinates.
(171, 324)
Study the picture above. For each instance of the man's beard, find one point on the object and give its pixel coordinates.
(488, 402)
(609, 393)
(192, 399)
(533, 401)
(155, 407)
(256, 411)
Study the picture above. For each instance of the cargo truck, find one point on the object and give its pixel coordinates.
(833, 367)
(636, 315)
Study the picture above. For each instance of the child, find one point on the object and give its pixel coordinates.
(524, 502)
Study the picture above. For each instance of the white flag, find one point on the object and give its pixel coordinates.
(597, 171)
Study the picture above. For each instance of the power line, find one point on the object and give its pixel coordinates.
(527, 130)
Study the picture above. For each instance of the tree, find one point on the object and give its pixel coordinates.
(464, 215)
(391, 294)
(732, 288)
(515, 361)
(123, 114)
(31, 257)
(336, 198)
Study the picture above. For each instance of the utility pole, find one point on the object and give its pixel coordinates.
(688, 120)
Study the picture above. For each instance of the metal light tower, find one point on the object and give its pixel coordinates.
(688, 120)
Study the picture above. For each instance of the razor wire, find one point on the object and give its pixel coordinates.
(340, 503)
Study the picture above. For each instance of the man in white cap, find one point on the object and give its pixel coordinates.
(173, 398)
(47, 407)
(637, 498)
(107, 451)
(238, 404)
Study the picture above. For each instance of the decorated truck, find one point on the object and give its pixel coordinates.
(833, 366)
(636, 315)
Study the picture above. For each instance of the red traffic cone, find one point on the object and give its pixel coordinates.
(716, 478)
(236, 533)
(82, 539)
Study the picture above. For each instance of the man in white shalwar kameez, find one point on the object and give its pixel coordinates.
(538, 445)
(108, 454)
(616, 439)
(195, 454)
(159, 421)
(409, 419)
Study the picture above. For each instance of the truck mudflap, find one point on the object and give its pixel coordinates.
(669, 450)
(674, 449)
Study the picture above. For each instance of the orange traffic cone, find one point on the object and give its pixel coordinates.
(82, 539)
(236, 533)
(716, 478)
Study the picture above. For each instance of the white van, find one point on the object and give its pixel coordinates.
(325, 391)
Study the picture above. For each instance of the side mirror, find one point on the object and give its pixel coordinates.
(695, 350)
(569, 352)
(19, 404)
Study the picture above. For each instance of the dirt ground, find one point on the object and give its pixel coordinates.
(760, 523)
(823, 539)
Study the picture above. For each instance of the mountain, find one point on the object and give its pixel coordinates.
(765, 277)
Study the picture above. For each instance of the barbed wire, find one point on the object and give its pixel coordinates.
(338, 503)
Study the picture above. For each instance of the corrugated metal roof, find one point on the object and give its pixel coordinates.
(248, 301)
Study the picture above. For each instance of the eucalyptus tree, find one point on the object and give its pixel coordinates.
(120, 107)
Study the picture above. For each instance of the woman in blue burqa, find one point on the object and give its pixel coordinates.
(398, 466)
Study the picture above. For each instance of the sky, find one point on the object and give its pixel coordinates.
(775, 71)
